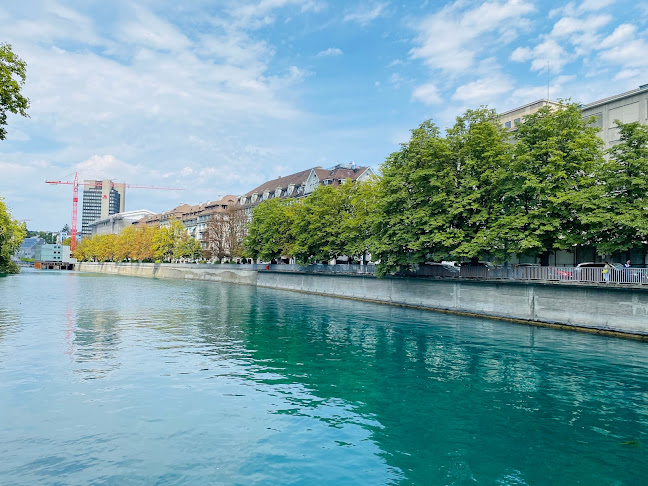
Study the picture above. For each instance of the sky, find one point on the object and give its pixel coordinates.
(217, 97)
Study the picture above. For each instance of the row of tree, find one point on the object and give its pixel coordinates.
(146, 244)
(476, 191)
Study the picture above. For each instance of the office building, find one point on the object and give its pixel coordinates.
(100, 200)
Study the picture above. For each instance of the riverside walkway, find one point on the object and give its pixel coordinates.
(563, 275)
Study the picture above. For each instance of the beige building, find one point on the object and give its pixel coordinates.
(115, 223)
(631, 106)
(193, 217)
(510, 119)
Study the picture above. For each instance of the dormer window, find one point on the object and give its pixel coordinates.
(278, 192)
(255, 196)
(266, 195)
(291, 188)
(328, 182)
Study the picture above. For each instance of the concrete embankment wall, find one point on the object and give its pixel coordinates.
(215, 273)
(596, 307)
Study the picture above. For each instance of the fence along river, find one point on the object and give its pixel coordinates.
(112, 379)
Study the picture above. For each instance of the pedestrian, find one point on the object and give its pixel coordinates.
(626, 271)
(606, 272)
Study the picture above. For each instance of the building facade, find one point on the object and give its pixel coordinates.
(100, 200)
(302, 184)
(28, 247)
(512, 118)
(115, 223)
(631, 106)
(194, 217)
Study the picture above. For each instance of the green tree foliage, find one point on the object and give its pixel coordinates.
(12, 79)
(439, 196)
(12, 234)
(556, 155)
(47, 236)
(359, 218)
(617, 207)
(480, 157)
(317, 225)
(412, 219)
(270, 233)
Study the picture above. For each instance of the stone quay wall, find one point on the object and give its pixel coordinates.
(593, 308)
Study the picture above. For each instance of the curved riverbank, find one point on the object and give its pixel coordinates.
(614, 311)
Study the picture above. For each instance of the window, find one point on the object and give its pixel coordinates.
(516, 122)
(507, 124)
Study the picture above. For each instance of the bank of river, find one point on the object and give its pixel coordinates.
(611, 310)
(116, 380)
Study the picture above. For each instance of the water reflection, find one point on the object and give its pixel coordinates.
(309, 387)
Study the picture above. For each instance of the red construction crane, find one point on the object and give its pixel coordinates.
(75, 198)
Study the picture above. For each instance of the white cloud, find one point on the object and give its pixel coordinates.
(365, 14)
(451, 39)
(148, 30)
(330, 52)
(629, 55)
(622, 34)
(427, 93)
(521, 54)
(483, 90)
(549, 54)
(106, 167)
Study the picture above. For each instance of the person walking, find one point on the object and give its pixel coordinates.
(607, 268)
(626, 271)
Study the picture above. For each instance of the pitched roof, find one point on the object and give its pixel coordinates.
(283, 182)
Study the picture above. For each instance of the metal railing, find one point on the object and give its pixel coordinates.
(585, 275)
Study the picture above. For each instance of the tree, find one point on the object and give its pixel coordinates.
(357, 222)
(12, 234)
(225, 232)
(617, 207)
(172, 242)
(480, 153)
(318, 225)
(270, 233)
(412, 218)
(66, 228)
(12, 79)
(556, 155)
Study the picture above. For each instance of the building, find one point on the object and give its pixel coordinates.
(28, 247)
(100, 200)
(115, 223)
(55, 257)
(303, 183)
(631, 106)
(193, 217)
(510, 119)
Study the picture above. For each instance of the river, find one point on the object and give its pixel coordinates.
(124, 380)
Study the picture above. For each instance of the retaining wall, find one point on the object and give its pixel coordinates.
(595, 308)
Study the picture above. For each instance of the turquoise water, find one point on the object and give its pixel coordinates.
(117, 380)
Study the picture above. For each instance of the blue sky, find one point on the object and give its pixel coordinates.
(219, 96)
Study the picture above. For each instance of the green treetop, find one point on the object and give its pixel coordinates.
(556, 155)
(12, 234)
(617, 207)
(12, 79)
(270, 233)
